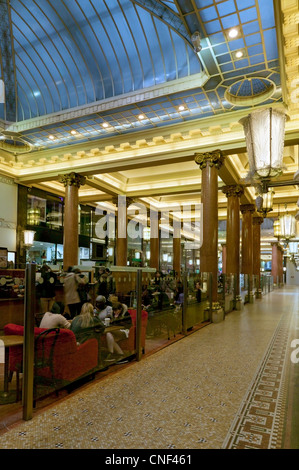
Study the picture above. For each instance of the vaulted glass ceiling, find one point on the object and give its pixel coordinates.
(77, 65)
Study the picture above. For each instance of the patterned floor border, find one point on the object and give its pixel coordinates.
(259, 421)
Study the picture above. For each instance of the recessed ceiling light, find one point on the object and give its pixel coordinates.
(141, 116)
(73, 132)
(181, 108)
(233, 33)
(51, 137)
(105, 124)
(239, 54)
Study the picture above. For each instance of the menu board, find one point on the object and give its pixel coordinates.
(3, 257)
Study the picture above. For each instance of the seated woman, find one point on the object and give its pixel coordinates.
(86, 325)
(121, 318)
(54, 319)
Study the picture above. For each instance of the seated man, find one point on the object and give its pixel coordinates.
(54, 319)
(122, 319)
(102, 310)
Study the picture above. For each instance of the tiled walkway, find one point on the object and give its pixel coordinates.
(229, 385)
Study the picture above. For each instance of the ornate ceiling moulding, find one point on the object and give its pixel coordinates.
(13, 143)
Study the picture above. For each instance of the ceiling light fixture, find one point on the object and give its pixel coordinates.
(264, 133)
(233, 33)
(239, 54)
(141, 116)
(105, 124)
(195, 38)
(51, 137)
(181, 107)
(73, 132)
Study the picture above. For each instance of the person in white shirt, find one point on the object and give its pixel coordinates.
(54, 319)
(102, 310)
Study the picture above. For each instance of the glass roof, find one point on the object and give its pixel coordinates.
(74, 54)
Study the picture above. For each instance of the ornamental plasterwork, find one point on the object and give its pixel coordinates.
(233, 190)
(72, 179)
(247, 208)
(214, 158)
(290, 27)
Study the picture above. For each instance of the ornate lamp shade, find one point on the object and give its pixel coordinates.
(264, 203)
(264, 132)
(146, 233)
(28, 237)
(287, 227)
(276, 229)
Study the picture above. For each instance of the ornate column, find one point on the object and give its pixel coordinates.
(233, 194)
(224, 257)
(121, 248)
(177, 249)
(72, 183)
(247, 236)
(277, 264)
(210, 163)
(155, 239)
(280, 267)
(257, 221)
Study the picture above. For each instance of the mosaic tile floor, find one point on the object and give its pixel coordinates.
(221, 387)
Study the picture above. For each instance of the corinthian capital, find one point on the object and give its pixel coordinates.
(233, 190)
(72, 179)
(247, 208)
(257, 220)
(215, 158)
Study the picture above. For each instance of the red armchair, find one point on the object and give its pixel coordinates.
(69, 361)
(129, 344)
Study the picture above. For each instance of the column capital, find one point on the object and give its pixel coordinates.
(214, 158)
(233, 190)
(257, 219)
(247, 208)
(72, 179)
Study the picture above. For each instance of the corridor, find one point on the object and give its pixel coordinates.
(229, 385)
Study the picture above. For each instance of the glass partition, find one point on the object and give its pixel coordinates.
(162, 298)
(142, 312)
(229, 292)
(198, 299)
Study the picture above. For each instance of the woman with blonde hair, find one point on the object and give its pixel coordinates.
(86, 325)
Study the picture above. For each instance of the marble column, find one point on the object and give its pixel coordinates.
(247, 211)
(280, 268)
(224, 253)
(277, 264)
(233, 194)
(177, 250)
(155, 217)
(121, 248)
(257, 221)
(72, 183)
(210, 163)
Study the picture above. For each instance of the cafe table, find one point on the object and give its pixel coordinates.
(9, 396)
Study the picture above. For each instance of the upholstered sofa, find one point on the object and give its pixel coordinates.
(129, 344)
(64, 361)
